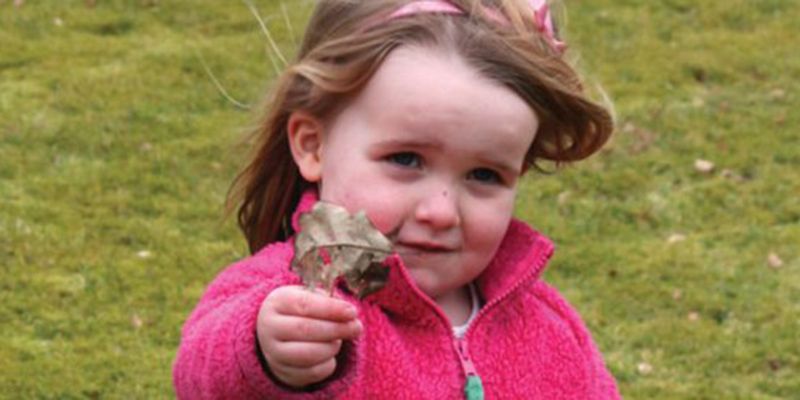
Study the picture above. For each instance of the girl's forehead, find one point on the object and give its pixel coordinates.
(424, 87)
(420, 98)
(431, 65)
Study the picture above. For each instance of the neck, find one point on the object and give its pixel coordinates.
(456, 304)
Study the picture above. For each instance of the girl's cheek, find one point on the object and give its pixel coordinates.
(383, 219)
(380, 211)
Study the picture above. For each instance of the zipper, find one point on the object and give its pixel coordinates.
(538, 263)
(473, 388)
(463, 356)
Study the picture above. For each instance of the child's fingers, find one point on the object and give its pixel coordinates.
(287, 328)
(304, 354)
(294, 300)
(299, 377)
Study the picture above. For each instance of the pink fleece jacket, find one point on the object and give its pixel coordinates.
(525, 343)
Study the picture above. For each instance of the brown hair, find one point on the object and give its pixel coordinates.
(345, 43)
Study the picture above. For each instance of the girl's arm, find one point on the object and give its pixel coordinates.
(219, 356)
(603, 385)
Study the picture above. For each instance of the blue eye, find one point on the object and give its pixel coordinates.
(406, 159)
(485, 175)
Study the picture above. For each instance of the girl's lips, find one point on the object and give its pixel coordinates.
(422, 247)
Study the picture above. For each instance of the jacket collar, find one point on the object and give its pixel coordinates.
(521, 257)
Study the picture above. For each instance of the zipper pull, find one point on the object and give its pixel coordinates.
(473, 389)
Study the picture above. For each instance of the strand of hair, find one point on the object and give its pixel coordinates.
(217, 84)
(288, 22)
(264, 29)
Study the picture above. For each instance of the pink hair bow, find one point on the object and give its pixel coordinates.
(544, 21)
(542, 17)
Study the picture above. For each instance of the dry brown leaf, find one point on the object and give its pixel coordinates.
(675, 238)
(777, 94)
(703, 166)
(144, 254)
(644, 368)
(333, 244)
(774, 261)
(563, 197)
(136, 321)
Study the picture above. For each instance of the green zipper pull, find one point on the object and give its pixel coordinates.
(473, 390)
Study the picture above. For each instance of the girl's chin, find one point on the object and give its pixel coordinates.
(431, 289)
(424, 284)
(425, 266)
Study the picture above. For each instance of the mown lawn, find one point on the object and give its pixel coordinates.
(117, 149)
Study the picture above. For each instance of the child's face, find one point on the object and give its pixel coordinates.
(434, 150)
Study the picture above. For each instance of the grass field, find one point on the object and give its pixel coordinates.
(117, 149)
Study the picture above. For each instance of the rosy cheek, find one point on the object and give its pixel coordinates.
(383, 220)
(492, 230)
(381, 215)
(378, 210)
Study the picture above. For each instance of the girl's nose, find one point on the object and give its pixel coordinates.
(439, 210)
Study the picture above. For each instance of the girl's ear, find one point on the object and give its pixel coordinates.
(305, 140)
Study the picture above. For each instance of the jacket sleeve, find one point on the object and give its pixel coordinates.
(603, 385)
(219, 358)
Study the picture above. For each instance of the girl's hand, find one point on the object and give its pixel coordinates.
(300, 333)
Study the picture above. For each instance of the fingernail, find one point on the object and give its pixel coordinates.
(352, 310)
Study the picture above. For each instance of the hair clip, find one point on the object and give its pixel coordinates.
(544, 22)
(542, 17)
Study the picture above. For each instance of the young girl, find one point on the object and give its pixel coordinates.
(425, 115)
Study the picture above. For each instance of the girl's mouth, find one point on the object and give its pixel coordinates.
(422, 247)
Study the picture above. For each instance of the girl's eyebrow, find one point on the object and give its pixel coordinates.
(410, 144)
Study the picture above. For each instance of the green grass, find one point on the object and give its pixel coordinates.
(116, 151)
